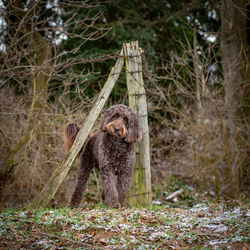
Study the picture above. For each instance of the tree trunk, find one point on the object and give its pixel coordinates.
(40, 53)
(235, 64)
(40, 78)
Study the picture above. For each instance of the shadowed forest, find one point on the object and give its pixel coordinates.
(55, 57)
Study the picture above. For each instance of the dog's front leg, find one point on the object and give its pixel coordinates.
(109, 187)
(123, 185)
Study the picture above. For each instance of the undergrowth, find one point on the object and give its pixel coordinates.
(205, 226)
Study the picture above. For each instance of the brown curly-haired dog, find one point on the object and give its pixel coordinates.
(111, 151)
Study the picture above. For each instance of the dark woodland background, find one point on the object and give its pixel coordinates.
(56, 55)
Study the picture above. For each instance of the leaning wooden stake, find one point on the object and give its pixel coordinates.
(61, 171)
(140, 193)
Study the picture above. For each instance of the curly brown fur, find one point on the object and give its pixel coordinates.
(112, 152)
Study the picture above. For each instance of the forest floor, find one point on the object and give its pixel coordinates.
(204, 226)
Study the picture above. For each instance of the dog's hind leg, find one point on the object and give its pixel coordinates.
(87, 163)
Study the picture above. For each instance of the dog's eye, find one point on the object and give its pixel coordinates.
(116, 116)
(125, 119)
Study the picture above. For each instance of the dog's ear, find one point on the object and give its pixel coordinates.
(105, 119)
(133, 129)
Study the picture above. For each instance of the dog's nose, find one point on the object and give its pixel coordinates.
(117, 129)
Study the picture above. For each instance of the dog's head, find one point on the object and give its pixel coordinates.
(121, 121)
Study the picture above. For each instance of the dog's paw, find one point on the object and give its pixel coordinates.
(113, 204)
(116, 205)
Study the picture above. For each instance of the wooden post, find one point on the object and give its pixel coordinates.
(61, 171)
(140, 192)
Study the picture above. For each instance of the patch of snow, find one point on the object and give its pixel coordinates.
(22, 214)
(217, 228)
(124, 226)
(145, 246)
(216, 242)
(221, 228)
(239, 238)
(175, 200)
(236, 210)
(133, 239)
(199, 208)
(159, 235)
(217, 219)
(157, 202)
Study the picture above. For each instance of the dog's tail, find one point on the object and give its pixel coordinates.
(70, 132)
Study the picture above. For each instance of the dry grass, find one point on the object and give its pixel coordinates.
(43, 151)
(40, 91)
(198, 142)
